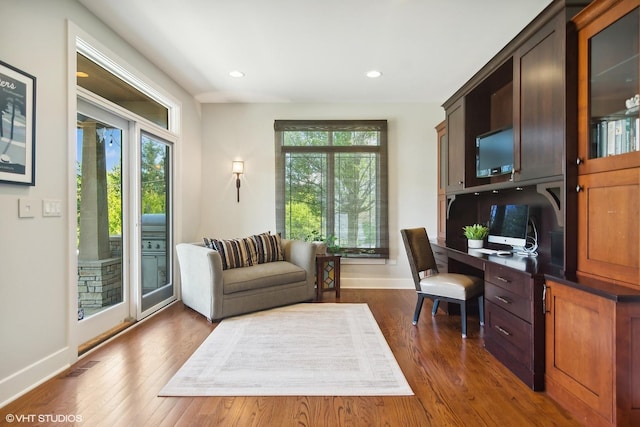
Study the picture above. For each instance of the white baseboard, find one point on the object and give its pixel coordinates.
(375, 283)
(28, 378)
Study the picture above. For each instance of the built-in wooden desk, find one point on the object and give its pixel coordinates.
(514, 317)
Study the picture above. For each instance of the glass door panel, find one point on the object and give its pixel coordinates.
(101, 244)
(613, 88)
(156, 230)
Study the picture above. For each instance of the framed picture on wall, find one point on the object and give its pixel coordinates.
(17, 126)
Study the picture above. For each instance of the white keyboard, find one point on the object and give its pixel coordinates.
(486, 251)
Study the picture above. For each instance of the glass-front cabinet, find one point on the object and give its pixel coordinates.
(609, 94)
(608, 199)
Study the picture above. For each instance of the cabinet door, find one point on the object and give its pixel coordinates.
(608, 231)
(608, 71)
(455, 146)
(579, 349)
(539, 113)
(441, 131)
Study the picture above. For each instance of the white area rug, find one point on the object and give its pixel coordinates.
(300, 350)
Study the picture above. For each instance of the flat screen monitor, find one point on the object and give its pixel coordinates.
(494, 155)
(508, 225)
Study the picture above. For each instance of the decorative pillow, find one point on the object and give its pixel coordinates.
(269, 247)
(235, 253)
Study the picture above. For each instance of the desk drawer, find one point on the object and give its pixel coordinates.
(508, 300)
(509, 279)
(508, 333)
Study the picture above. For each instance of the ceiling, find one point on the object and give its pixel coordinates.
(318, 51)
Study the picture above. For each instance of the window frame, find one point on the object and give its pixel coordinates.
(381, 251)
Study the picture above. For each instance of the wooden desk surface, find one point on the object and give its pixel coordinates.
(532, 265)
(541, 266)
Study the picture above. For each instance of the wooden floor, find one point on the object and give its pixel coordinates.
(455, 381)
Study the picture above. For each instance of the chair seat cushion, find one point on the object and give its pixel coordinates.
(452, 285)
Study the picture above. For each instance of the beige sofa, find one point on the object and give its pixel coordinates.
(218, 293)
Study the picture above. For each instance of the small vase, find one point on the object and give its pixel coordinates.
(475, 244)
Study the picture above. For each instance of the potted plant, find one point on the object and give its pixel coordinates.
(332, 244)
(475, 234)
(318, 241)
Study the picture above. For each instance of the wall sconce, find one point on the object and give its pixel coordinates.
(237, 167)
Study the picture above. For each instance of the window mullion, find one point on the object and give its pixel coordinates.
(331, 200)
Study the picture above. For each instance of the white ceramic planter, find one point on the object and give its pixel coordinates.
(475, 244)
(321, 248)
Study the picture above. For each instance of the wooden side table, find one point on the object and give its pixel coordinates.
(327, 275)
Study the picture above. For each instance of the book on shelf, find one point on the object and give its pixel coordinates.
(615, 136)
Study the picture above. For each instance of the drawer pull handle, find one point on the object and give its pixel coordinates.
(505, 332)
(503, 299)
(502, 279)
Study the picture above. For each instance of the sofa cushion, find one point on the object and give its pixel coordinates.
(269, 247)
(235, 253)
(262, 276)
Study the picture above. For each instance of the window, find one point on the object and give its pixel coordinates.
(105, 83)
(331, 182)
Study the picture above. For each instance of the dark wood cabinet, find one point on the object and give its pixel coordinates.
(540, 93)
(441, 132)
(529, 85)
(455, 153)
(514, 322)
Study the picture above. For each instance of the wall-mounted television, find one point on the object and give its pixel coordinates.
(494, 153)
(508, 225)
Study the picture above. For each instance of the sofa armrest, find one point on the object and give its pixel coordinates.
(201, 277)
(302, 254)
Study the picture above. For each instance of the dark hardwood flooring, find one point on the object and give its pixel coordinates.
(456, 382)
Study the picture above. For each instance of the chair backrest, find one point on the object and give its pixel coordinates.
(419, 252)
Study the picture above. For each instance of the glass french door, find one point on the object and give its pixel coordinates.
(102, 243)
(124, 235)
(156, 235)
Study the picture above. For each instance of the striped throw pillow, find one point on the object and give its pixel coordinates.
(235, 253)
(269, 247)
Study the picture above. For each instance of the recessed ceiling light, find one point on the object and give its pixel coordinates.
(374, 74)
(81, 74)
(236, 74)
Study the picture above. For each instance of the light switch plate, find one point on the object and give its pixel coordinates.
(51, 207)
(26, 208)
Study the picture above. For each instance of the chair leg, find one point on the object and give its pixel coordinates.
(463, 315)
(481, 309)
(416, 314)
(434, 310)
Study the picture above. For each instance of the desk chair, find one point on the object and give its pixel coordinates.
(449, 287)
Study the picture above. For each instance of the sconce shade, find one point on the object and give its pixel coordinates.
(237, 167)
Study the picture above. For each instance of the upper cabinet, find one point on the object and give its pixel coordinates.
(528, 90)
(608, 185)
(540, 97)
(608, 131)
(455, 148)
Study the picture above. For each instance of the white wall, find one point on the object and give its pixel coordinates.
(36, 320)
(245, 131)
